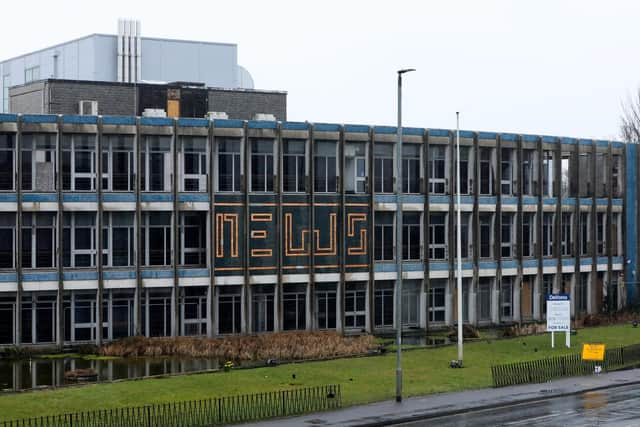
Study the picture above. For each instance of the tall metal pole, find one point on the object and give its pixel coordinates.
(458, 238)
(398, 251)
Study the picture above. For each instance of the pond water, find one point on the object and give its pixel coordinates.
(24, 374)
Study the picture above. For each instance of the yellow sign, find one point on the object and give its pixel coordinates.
(593, 352)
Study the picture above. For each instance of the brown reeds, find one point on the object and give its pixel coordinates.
(280, 346)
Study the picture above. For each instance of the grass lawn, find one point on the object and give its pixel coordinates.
(363, 380)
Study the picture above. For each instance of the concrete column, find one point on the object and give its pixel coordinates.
(517, 294)
(576, 276)
(495, 302)
(471, 301)
(339, 310)
(537, 309)
(277, 298)
(448, 303)
(423, 306)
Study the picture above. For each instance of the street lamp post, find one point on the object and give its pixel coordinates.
(458, 242)
(399, 240)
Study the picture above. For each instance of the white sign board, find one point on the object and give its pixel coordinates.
(558, 313)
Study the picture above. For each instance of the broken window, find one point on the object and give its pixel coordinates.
(38, 240)
(7, 161)
(437, 296)
(79, 162)
(383, 300)
(156, 238)
(118, 163)
(508, 171)
(438, 183)
(118, 243)
(294, 166)
(507, 241)
(262, 165)
(193, 239)
(567, 233)
(437, 236)
(547, 233)
(262, 303)
(294, 303)
(411, 168)
(229, 309)
(194, 159)
(383, 167)
(355, 305)
(412, 230)
(79, 239)
(7, 239)
(486, 235)
(384, 236)
(38, 164)
(528, 234)
(326, 167)
(156, 163)
(355, 167)
(229, 164)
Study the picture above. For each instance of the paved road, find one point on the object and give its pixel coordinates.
(611, 407)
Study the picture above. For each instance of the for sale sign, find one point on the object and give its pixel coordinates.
(558, 313)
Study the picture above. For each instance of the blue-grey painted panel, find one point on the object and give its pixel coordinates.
(571, 201)
(39, 277)
(193, 272)
(487, 200)
(529, 200)
(568, 261)
(602, 260)
(259, 124)
(509, 136)
(80, 275)
(79, 197)
(571, 141)
(380, 267)
(388, 130)
(509, 200)
(631, 227)
(602, 202)
(8, 277)
(193, 122)
(119, 120)
(601, 143)
(509, 264)
(226, 124)
(80, 120)
(8, 118)
(487, 265)
(8, 197)
(549, 262)
(586, 142)
(326, 127)
(439, 199)
(438, 266)
(586, 261)
(118, 197)
(193, 197)
(467, 134)
(356, 128)
(487, 135)
(39, 118)
(156, 274)
(118, 275)
(617, 260)
(156, 197)
(550, 139)
(35, 197)
(530, 138)
(530, 263)
(156, 121)
(618, 145)
(438, 132)
(549, 200)
(412, 131)
(412, 198)
(414, 266)
(295, 125)
(586, 202)
(616, 202)
(384, 198)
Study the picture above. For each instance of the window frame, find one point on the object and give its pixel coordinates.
(300, 160)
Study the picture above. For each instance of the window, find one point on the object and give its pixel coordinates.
(38, 240)
(38, 314)
(7, 161)
(383, 299)
(294, 166)
(78, 162)
(486, 235)
(567, 233)
(548, 173)
(507, 171)
(193, 239)
(384, 238)
(326, 305)
(568, 184)
(600, 184)
(118, 314)
(411, 303)
(7, 320)
(118, 163)
(383, 167)
(528, 234)
(466, 236)
(157, 313)
(486, 171)
(294, 303)
(506, 298)
(507, 242)
(438, 169)
(194, 159)
(412, 230)
(229, 164)
(156, 163)
(529, 172)
(437, 236)
(6, 83)
(31, 74)
(118, 241)
(155, 233)
(582, 293)
(616, 175)
(547, 289)
(437, 292)
(262, 303)
(326, 167)
(80, 316)
(616, 234)
(355, 167)
(547, 233)
(7, 239)
(466, 170)
(411, 168)
(229, 309)
(355, 305)
(601, 233)
(262, 165)
(484, 299)
(39, 162)
(79, 239)
(193, 311)
(586, 175)
(585, 233)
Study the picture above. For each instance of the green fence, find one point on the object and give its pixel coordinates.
(208, 412)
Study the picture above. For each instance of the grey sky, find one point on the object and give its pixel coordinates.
(545, 67)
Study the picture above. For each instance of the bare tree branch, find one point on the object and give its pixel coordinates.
(630, 119)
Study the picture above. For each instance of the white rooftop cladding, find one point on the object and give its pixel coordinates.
(95, 58)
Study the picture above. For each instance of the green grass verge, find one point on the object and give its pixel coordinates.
(363, 380)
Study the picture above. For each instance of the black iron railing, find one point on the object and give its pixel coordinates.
(199, 413)
(542, 370)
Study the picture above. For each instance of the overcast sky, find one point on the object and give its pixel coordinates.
(544, 67)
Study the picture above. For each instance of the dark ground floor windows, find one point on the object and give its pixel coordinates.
(484, 299)
(411, 303)
(156, 313)
(326, 294)
(355, 302)
(262, 308)
(437, 306)
(38, 315)
(193, 311)
(229, 309)
(294, 303)
(383, 300)
(7, 319)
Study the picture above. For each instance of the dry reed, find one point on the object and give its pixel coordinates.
(281, 346)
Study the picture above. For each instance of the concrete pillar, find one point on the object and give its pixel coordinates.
(448, 303)
(339, 313)
(495, 302)
(537, 298)
(472, 302)
(516, 307)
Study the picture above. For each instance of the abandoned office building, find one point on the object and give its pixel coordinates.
(115, 226)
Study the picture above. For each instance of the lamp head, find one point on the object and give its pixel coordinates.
(406, 70)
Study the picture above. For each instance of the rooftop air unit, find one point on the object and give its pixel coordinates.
(88, 108)
(211, 115)
(264, 117)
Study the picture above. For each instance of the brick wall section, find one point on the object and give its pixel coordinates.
(27, 99)
(113, 99)
(244, 105)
